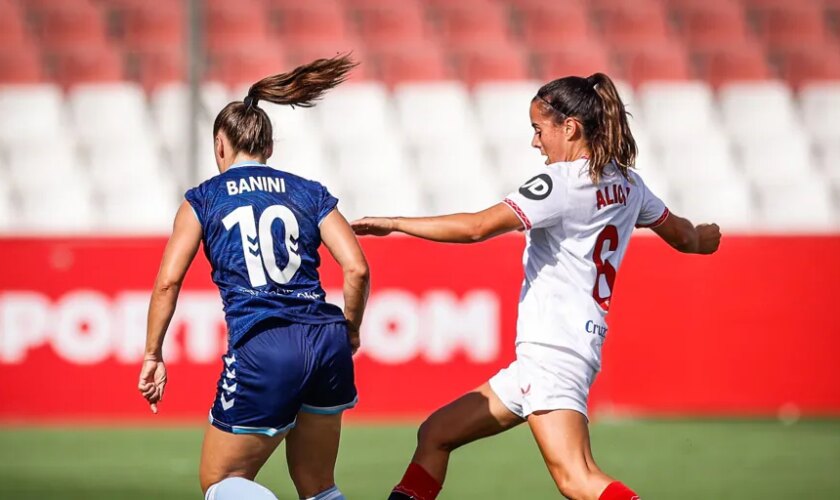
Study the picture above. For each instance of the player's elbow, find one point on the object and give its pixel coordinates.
(357, 271)
(166, 286)
(476, 237)
(478, 231)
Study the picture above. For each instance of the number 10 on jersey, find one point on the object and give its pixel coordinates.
(258, 246)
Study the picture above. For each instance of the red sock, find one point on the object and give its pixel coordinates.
(418, 484)
(617, 491)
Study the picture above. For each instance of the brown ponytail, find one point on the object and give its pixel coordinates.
(248, 127)
(612, 139)
(596, 103)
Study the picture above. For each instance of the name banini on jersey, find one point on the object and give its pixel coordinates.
(577, 232)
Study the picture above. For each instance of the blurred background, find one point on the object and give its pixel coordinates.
(720, 377)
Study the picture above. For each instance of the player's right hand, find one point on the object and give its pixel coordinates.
(152, 381)
(708, 238)
(354, 338)
(374, 226)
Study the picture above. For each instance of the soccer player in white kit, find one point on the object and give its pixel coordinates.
(578, 214)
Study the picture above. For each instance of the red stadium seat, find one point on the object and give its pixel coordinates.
(602, 5)
(629, 23)
(492, 63)
(653, 62)
(116, 8)
(733, 63)
(679, 4)
(20, 65)
(526, 5)
(70, 24)
(12, 29)
(759, 4)
(371, 4)
(152, 25)
(579, 59)
(803, 66)
(461, 25)
(543, 22)
(242, 65)
(304, 22)
(394, 22)
(124, 4)
(92, 64)
(156, 67)
(712, 24)
(282, 4)
(786, 25)
(410, 63)
(241, 22)
(472, 4)
(39, 6)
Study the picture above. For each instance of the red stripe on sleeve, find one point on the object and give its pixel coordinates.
(519, 213)
(657, 222)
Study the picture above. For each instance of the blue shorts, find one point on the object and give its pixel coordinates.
(279, 369)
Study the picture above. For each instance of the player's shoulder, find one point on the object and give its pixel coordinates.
(203, 187)
(634, 177)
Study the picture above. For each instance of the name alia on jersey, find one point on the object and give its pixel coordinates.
(262, 183)
(611, 194)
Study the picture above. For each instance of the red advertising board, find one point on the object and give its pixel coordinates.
(750, 330)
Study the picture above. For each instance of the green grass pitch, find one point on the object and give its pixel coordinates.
(675, 459)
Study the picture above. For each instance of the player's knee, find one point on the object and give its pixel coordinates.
(208, 478)
(573, 480)
(571, 487)
(433, 435)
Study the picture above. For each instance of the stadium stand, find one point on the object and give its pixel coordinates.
(735, 103)
(414, 62)
(150, 25)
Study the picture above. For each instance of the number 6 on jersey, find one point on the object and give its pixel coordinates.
(258, 247)
(603, 267)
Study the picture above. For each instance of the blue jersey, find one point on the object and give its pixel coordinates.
(261, 236)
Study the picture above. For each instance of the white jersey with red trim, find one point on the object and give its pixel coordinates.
(577, 233)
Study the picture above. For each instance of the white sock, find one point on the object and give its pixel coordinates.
(330, 494)
(238, 488)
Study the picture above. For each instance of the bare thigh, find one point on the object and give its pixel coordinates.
(475, 415)
(225, 455)
(563, 439)
(311, 452)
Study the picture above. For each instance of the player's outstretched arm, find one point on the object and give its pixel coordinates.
(684, 236)
(339, 239)
(454, 228)
(177, 257)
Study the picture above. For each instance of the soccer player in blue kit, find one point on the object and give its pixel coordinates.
(288, 372)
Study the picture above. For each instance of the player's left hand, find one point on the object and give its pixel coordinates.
(152, 382)
(374, 226)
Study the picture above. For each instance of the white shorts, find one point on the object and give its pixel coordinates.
(544, 377)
